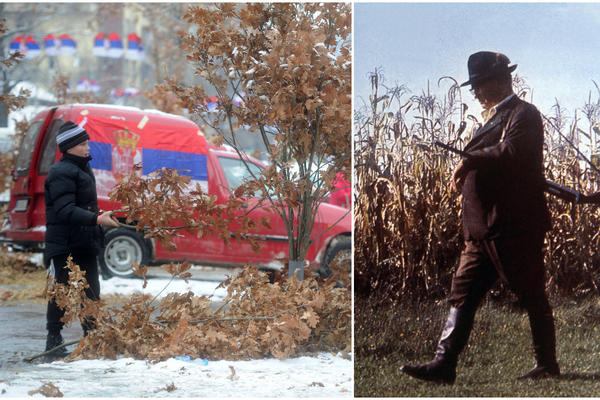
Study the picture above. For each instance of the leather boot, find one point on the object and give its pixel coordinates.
(544, 345)
(442, 368)
(55, 339)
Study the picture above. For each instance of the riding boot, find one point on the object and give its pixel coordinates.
(442, 368)
(544, 345)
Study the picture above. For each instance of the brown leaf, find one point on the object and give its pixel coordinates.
(48, 389)
(233, 377)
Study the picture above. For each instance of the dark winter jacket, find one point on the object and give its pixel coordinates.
(71, 208)
(503, 193)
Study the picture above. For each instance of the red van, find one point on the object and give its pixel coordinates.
(123, 136)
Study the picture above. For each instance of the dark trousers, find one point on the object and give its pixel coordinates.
(518, 261)
(58, 268)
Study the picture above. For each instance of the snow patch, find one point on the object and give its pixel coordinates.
(125, 286)
(323, 375)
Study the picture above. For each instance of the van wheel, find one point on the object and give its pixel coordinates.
(340, 245)
(123, 247)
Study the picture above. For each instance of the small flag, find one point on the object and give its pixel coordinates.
(50, 45)
(131, 92)
(83, 85)
(101, 45)
(87, 85)
(211, 104)
(33, 48)
(68, 46)
(115, 49)
(18, 44)
(117, 93)
(95, 86)
(134, 47)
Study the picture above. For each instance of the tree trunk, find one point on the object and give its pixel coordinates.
(296, 267)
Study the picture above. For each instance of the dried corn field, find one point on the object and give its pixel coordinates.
(407, 222)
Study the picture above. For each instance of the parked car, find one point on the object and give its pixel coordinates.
(119, 138)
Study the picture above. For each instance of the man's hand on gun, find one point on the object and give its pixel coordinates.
(458, 177)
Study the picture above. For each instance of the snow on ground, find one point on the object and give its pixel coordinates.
(124, 286)
(324, 375)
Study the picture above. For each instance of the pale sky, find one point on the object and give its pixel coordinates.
(556, 46)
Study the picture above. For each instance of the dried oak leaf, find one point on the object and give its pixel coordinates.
(233, 376)
(48, 389)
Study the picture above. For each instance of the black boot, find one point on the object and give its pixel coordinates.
(544, 344)
(55, 339)
(454, 338)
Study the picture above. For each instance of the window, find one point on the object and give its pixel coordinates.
(26, 151)
(236, 172)
(49, 148)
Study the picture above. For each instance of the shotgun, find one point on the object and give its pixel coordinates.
(560, 191)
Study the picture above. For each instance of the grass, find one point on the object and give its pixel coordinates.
(499, 350)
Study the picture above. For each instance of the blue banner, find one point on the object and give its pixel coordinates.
(188, 164)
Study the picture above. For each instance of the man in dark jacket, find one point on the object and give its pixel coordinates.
(505, 219)
(72, 223)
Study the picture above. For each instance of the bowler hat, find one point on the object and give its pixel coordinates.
(486, 64)
(70, 135)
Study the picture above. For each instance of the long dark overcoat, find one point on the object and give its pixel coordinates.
(503, 193)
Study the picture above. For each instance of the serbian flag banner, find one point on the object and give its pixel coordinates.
(17, 44)
(134, 47)
(211, 104)
(115, 48)
(68, 46)
(33, 48)
(87, 85)
(50, 45)
(116, 145)
(101, 45)
(83, 85)
(94, 86)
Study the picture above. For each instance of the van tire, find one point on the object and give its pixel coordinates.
(337, 245)
(123, 246)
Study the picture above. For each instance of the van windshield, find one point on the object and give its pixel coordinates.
(26, 151)
(236, 171)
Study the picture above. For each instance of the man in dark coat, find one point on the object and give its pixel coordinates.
(72, 223)
(505, 219)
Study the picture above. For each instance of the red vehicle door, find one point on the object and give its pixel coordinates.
(36, 155)
(275, 244)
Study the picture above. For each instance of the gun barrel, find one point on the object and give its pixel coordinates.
(562, 192)
(452, 149)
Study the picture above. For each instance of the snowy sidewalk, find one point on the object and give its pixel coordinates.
(22, 332)
(322, 376)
